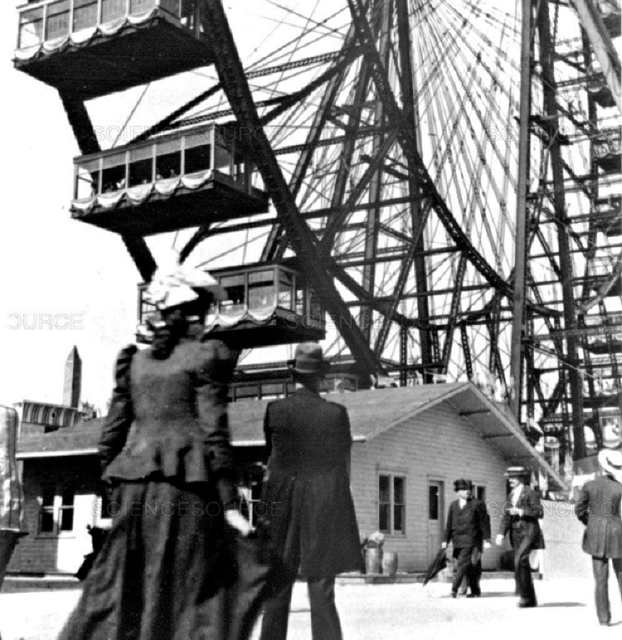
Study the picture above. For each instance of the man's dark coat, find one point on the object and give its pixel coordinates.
(598, 507)
(526, 527)
(467, 527)
(307, 491)
(525, 536)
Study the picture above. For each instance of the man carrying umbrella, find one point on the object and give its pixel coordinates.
(468, 527)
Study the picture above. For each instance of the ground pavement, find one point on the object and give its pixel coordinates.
(385, 611)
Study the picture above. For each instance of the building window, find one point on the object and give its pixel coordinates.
(434, 502)
(479, 491)
(105, 506)
(56, 514)
(46, 514)
(391, 503)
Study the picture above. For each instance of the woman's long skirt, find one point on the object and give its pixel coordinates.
(164, 570)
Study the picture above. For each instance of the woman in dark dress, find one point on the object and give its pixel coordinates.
(165, 568)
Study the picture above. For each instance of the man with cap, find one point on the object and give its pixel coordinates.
(309, 507)
(598, 507)
(468, 527)
(521, 513)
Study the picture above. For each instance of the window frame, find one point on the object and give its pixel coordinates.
(57, 508)
(391, 504)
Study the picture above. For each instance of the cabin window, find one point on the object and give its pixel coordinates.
(113, 10)
(260, 289)
(141, 166)
(286, 290)
(141, 6)
(113, 172)
(30, 28)
(57, 25)
(236, 294)
(300, 293)
(87, 179)
(168, 159)
(84, 14)
(391, 503)
(57, 507)
(315, 308)
(222, 158)
(198, 152)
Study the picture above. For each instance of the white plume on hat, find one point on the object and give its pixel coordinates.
(175, 284)
(610, 462)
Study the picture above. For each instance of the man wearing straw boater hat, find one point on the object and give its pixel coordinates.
(521, 513)
(598, 507)
(311, 513)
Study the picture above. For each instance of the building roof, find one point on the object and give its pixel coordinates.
(371, 413)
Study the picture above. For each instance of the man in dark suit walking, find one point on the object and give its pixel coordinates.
(521, 513)
(468, 527)
(307, 492)
(598, 507)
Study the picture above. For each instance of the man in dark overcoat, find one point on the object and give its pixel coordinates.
(468, 528)
(598, 507)
(521, 513)
(307, 497)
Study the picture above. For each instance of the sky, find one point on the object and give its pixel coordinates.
(62, 282)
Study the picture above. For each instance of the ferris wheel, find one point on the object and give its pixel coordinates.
(443, 175)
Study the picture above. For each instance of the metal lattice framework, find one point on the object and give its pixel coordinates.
(439, 168)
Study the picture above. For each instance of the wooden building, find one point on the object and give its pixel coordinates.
(410, 444)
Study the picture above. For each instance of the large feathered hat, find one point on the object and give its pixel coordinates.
(177, 285)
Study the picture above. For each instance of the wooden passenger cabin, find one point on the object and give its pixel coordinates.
(185, 179)
(604, 334)
(95, 47)
(607, 151)
(267, 304)
(609, 216)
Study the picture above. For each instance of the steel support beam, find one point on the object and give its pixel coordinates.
(520, 251)
(300, 236)
(559, 203)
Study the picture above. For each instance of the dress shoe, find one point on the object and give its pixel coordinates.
(454, 594)
(604, 624)
(474, 595)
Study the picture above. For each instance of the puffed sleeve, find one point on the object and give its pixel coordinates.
(120, 415)
(212, 387)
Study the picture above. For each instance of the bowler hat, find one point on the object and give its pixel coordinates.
(309, 360)
(610, 462)
(462, 484)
